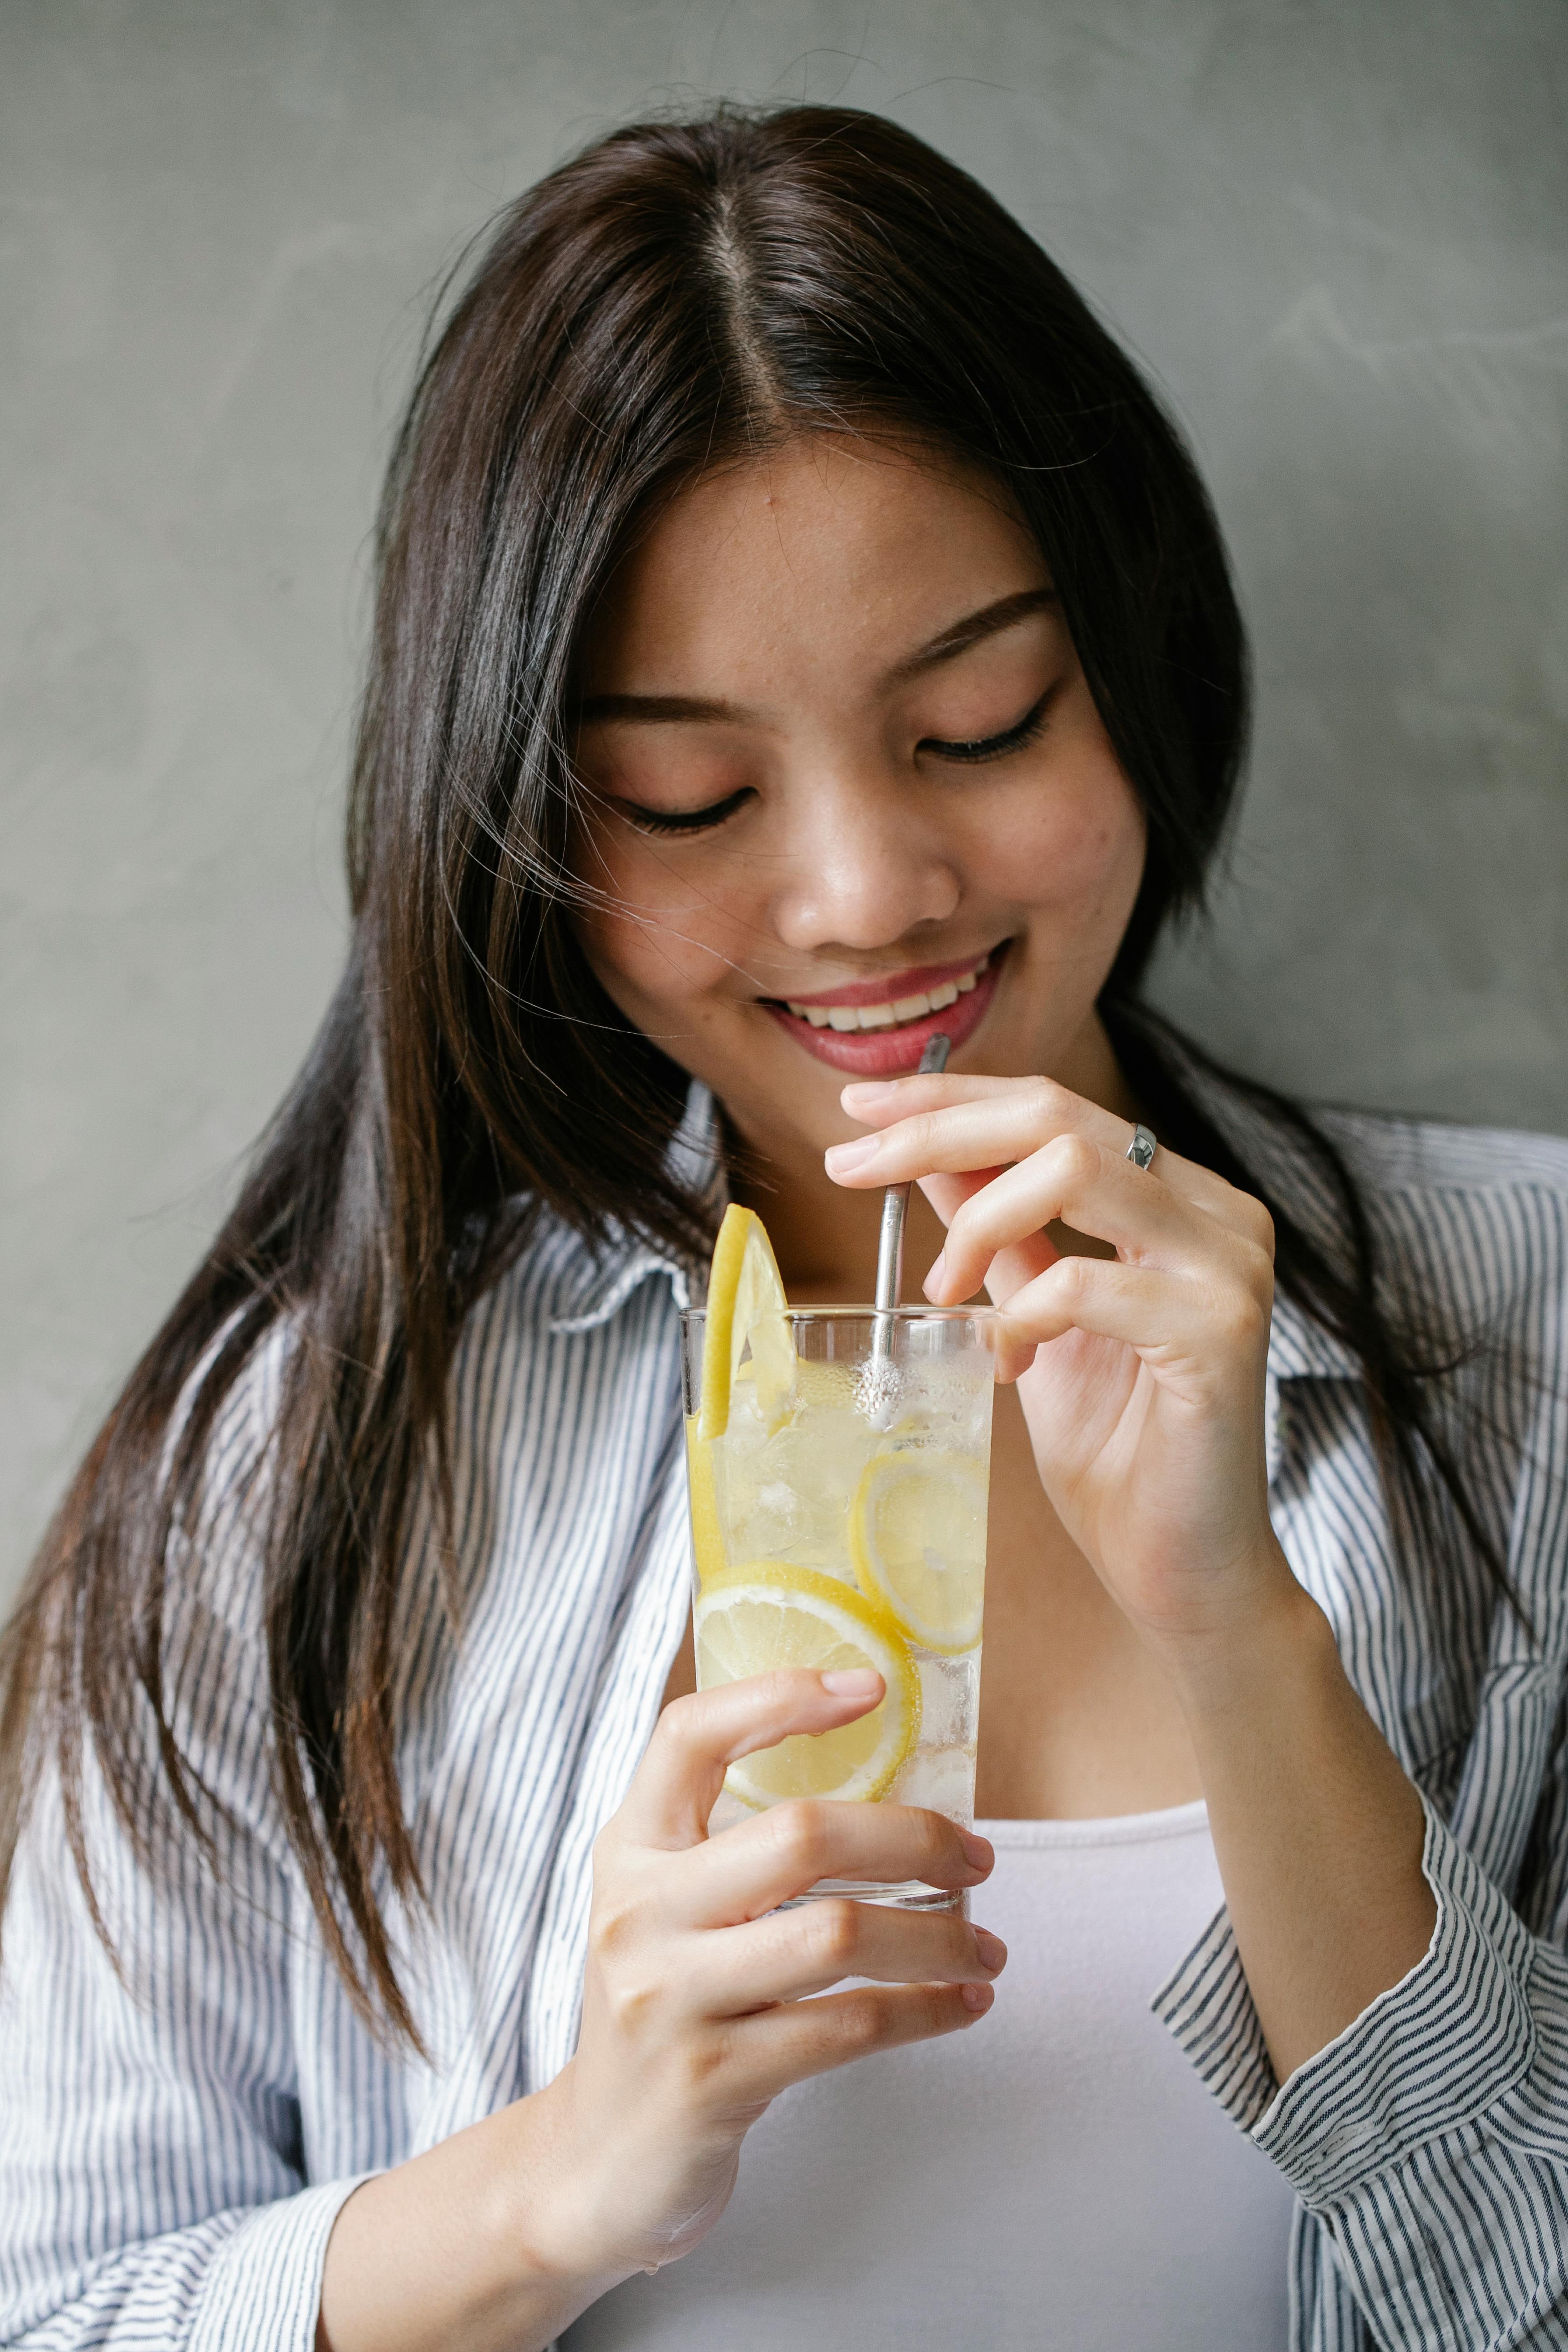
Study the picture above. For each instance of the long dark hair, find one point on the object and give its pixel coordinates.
(679, 294)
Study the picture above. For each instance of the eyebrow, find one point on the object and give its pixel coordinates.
(657, 710)
(687, 709)
(988, 623)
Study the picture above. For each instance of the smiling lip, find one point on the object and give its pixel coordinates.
(889, 1051)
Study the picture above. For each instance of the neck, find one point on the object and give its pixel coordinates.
(825, 1238)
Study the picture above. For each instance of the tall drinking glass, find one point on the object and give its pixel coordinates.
(840, 1520)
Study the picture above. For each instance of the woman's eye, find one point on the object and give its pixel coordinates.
(703, 820)
(994, 747)
(647, 820)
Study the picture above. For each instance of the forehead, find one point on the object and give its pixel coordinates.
(827, 554)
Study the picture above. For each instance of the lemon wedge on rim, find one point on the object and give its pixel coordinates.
(917, 1536)
(707, 1529)
(745, 1301)
(765, 1614)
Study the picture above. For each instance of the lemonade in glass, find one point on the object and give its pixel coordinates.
(838, 1460)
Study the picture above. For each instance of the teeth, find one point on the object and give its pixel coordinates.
(845, 1017)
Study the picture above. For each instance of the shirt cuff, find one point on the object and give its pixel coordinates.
(1432, 2053)
(263, 2289)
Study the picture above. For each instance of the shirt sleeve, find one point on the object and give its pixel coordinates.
(152, 2186)
(1430, 2138)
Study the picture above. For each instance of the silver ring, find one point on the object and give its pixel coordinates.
(1143, 1148)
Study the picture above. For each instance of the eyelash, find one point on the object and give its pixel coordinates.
(972, 755)
(685, 820)
(994, 747)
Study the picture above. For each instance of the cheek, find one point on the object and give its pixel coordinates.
(659, 939)
(1076, 856)
(645, 964)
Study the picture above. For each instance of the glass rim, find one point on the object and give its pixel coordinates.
(870, 1313)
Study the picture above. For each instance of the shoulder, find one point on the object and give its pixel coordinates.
(1433, 1157)
(550, 1331)
(1470, 1223)
(559, 1287)
(1476, 1219)
(219, 1515)
(212, 1576)
(562, 1386)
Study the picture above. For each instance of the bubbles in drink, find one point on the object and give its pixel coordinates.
(850, 1506)
(941, 1780)
(950, 1694)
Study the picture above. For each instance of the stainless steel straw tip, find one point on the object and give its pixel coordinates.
(896, 1199)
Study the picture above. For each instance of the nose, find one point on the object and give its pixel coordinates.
(865, 870)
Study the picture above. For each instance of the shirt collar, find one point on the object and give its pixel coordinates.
(600, 1288)
(1301, 1349)
(1298, 1349)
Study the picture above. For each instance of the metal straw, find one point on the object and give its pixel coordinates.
(895, 1206)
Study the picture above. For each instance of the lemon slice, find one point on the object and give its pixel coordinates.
(754, 1619)
(745, 1301)
(917, 1536)
(707, 1530)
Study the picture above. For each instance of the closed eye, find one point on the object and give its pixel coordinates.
(994, 747)
(649, 820)
(970, 754)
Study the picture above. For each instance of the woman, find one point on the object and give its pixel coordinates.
(793, 604)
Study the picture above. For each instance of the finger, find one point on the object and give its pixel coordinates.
(799, 2039)
(1009, 1270)
(956, 1131)
(1020, 1113)
(1172, 1322)
(698, 1737)
(878, 1102)
(789, 1954)
(947, 1194)
(954, 1125)
(1094, 1191)
(755, 1865)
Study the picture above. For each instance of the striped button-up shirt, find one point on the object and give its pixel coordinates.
(177, 2138)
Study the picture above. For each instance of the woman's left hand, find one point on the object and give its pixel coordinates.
(1141, 1376)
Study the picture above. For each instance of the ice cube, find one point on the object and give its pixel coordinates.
(787, 1496)
(946, 1402)
(943, 1780)
(949, 1693)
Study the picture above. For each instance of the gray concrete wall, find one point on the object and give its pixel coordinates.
(1336, 232)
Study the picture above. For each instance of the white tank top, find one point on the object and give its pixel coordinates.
(1057, 2176)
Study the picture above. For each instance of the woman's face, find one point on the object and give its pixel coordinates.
(847, 786)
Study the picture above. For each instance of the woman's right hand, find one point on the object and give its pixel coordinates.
(694, 2016)
(694, 2013)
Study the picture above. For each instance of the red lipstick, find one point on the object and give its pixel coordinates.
(892, 1052)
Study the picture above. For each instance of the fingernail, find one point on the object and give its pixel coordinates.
(993, 1952)
(978, 1851)
(842, 1159)
(864, 1090)
(978, 1997)
(850, 1681)
(935, 1273)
